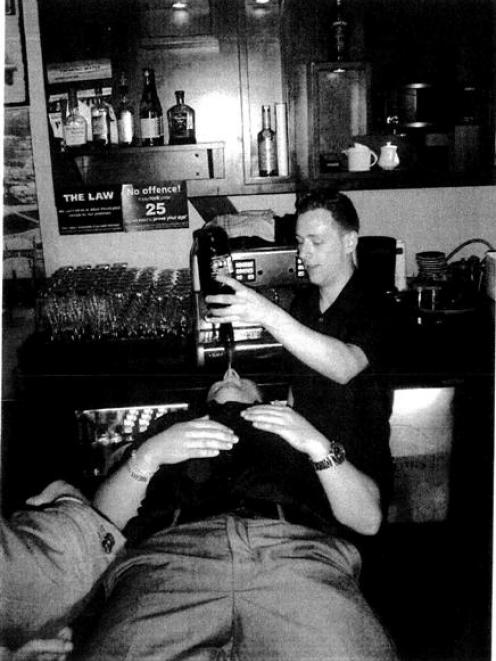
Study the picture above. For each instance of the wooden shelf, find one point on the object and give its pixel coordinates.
(129, 164)
(405, 178)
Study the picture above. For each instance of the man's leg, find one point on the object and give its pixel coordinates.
(297, 598)
(171, 600)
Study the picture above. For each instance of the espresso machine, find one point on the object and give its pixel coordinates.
(274, 271)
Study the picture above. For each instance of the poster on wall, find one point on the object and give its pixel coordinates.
(22, 247)
(89, 210)
(155, 206)
(15, 87)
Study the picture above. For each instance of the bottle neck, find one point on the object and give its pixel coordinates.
(72, 102)
(266, 118)
(180, 98)
(149, 83)
(123, 93)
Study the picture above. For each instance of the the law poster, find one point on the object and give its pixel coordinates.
(90, 209)
(155, 206)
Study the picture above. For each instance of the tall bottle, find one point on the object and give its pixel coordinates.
(266, 142)
(75, 128)
(100, 121)
(151, 116)
(125, 115)
(214, 258)
(181, 122)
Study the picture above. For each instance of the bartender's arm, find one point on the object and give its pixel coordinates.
(327, 355)
(118, 498)
(353, 496)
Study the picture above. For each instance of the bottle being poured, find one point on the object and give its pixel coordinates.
(214, 258)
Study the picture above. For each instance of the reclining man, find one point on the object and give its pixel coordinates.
(241, 531)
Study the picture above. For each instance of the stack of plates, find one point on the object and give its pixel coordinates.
(432, 265)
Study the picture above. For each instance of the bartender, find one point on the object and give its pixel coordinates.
(335, 336)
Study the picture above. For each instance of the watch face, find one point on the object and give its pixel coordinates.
(338, 453)
(336, 456)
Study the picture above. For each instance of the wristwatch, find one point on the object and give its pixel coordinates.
(336, 456)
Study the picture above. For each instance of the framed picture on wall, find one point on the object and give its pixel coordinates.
(15, 87)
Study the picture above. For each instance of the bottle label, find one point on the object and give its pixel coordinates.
(125, 128)
(75, 136)
(221, 265)
(152, 127)
(100, 128)
(181, 123)
(267, 159)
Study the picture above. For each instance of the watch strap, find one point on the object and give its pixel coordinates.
(335, 456)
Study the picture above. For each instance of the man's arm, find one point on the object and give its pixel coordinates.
(51, 557)
(353, 496)
(327, 355)
(119, 496)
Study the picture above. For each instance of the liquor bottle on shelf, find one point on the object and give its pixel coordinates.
(181, 122)
(125, 115)
(74, 125)
(266, 142)
(56, 113)
(151, 116)
(340, 33)
(100, 121)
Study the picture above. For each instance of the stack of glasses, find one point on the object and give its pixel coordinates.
(114, 302)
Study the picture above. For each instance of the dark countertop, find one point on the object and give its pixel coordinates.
(435, 349)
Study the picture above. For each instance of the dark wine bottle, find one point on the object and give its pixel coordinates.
(151, 116)
(214, 258)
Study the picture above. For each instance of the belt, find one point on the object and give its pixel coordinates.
(257, 509)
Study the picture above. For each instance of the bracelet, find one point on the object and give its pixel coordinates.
(137, 471)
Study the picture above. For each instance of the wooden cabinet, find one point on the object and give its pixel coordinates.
(233, 56)
(224, 53)
(428, 87)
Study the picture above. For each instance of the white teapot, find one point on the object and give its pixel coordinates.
(360, 157)
(389, 159)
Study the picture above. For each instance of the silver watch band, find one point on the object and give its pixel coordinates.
(335, 456)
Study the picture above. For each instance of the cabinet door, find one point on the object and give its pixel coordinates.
(332, 107)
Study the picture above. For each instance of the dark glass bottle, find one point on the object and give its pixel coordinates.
(181, 122)
(151, 115)
(214, 258)
(340, 33)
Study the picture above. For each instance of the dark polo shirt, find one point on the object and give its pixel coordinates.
(357, 413)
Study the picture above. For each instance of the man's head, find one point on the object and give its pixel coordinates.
(327, 234)
(232, 388)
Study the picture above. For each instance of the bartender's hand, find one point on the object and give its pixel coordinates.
(291, 426)
(198, 438)
(245, 305)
